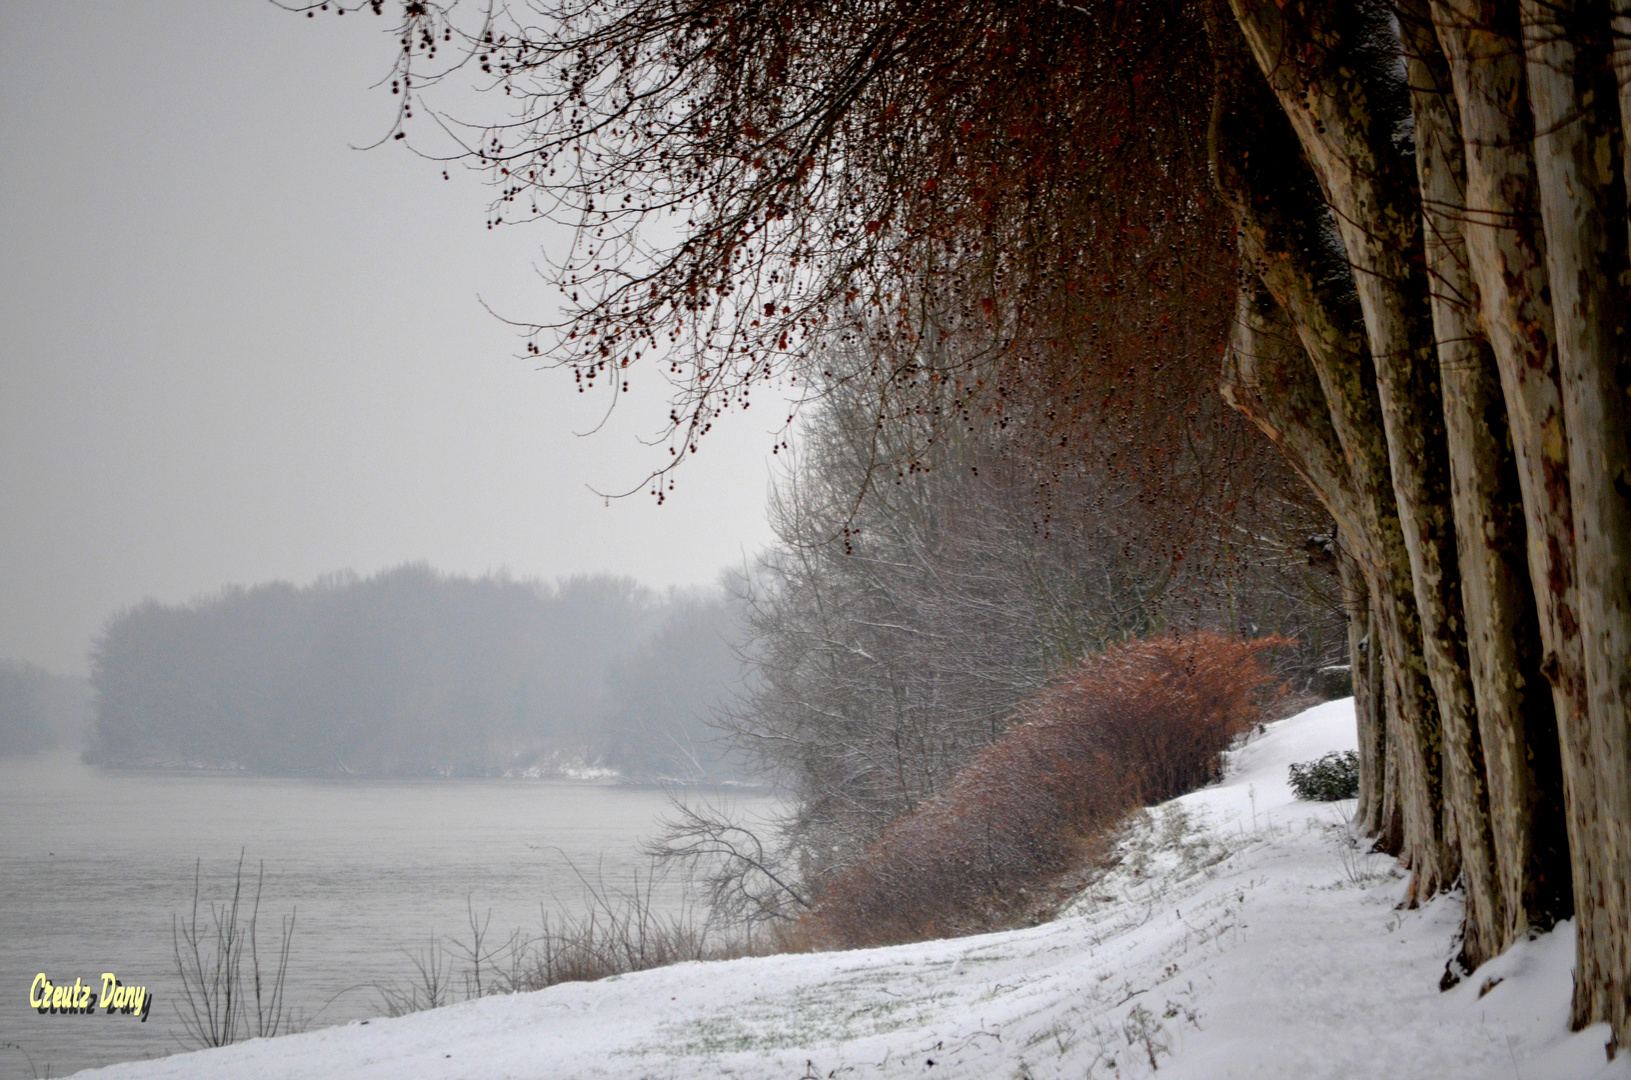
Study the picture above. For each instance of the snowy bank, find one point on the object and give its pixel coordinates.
(1242, 934)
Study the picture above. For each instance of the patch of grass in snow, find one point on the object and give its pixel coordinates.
(1154, 852)
(619, 930)
(1144, 1032)
(857, 1006)
(1362, 867)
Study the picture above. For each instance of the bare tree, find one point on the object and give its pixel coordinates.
(226, 995)
(927, 582)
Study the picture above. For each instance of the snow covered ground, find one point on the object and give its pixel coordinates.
(1242, 935)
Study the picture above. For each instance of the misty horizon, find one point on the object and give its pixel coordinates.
(409, 671)
(235, 349)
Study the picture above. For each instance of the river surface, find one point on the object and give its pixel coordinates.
(95, 863)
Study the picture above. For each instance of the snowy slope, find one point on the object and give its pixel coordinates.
(1240, 936)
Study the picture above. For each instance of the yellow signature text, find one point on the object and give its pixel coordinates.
(48, 997)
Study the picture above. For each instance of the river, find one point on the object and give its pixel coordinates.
(94, 864)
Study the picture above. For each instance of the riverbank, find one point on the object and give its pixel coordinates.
(1239, 935)
(94, 863)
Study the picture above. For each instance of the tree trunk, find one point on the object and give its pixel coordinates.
(1510, 465)
(1267, 379)
(1368, 704)
(1339, 92)
(1500, 222)
(1369, 707)
(1579, 170)
(1517, 857)
(1474, 426)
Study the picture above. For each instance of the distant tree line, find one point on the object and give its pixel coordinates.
(412, 672)
(40, 710)
(665, 695)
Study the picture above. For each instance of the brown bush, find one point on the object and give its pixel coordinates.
(1137, 725)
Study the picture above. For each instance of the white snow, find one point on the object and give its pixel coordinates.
(1241, 935)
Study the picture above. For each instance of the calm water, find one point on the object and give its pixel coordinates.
(93, 864)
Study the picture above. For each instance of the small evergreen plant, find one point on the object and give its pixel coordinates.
(1334, 776)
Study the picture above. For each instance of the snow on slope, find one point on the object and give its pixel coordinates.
(1241, 936)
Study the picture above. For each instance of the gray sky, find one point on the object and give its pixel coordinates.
(234, 349)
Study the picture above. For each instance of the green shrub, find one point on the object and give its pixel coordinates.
(1334, 776)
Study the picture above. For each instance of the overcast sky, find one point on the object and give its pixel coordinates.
(233, 349)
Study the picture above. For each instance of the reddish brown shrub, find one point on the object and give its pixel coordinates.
(1140, 724)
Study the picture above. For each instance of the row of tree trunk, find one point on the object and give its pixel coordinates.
(1433, 327)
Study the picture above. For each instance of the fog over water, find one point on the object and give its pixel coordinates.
(234, 350)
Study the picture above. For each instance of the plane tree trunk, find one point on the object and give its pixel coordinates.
(1387, 410)
(1514, 858)
(1501, 224)
(1341, 94)
(1473, 353)
(1289, 243)
(1580, 176)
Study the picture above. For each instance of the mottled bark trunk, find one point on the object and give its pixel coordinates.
(1288, 239)
(1402, 686)
(1368, 704)
(1336, 81)
(1514, 504)
(1580, 177)
(1268, 379)
(1500, 222)
(1484, 508)
(1512, 791)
